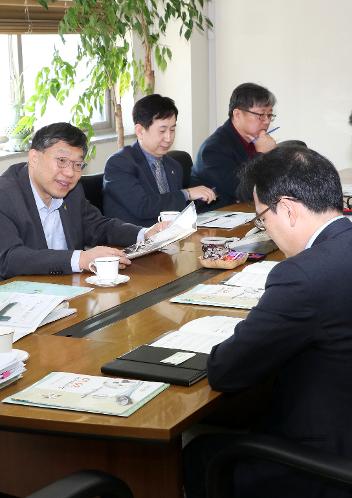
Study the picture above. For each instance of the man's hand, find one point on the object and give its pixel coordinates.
(264, 142)
(158, 227)
(88, 256)
(204, 193)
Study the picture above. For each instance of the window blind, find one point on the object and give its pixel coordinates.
(28, 16)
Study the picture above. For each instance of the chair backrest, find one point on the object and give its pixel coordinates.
(298, 456)
(93, 189)
(186, 162)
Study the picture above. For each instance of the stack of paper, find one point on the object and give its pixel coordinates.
(11, 368)
(252, 276)
(224, 219)
(199, 335)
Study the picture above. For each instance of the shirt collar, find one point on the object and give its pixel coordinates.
(320, 229)
(55, 203)
(149, 157)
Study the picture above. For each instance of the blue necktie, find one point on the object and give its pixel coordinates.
(160, 177)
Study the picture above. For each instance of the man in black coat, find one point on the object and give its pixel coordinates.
(241, 137)
(300, 331)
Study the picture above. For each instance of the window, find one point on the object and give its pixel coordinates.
(30, 54)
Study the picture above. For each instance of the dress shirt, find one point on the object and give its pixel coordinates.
(52, 226)
(151, 161)
(320, 229)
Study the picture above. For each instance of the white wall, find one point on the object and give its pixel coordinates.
(301, 50)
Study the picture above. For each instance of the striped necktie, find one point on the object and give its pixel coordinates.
(160, 177)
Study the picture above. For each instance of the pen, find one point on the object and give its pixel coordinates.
(3, 310)
(268, 133)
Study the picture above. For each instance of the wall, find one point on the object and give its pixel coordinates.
(301, 50)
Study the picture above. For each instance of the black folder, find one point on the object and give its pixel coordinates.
(144, 363)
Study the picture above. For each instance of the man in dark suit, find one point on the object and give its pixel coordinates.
(300, 331)
(45, 220)
(140, 181)
(241, 137)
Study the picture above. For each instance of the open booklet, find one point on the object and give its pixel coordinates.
(182, 226)
(88, 393)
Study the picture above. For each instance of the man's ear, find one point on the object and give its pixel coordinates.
(292, 210)
(32, 157)
(139, 130)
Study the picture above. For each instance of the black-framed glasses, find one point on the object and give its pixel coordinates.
(258, 220)
(260, 115)
(64, 162)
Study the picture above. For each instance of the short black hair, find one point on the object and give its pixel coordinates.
(56, 132)
(152, 107)
(295, 172)
(249, 95)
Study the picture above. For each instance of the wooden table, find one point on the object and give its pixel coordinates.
(41, 445)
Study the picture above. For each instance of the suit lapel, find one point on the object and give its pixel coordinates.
(66, 225)
(142, 163)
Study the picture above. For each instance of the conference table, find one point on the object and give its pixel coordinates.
(40, 445)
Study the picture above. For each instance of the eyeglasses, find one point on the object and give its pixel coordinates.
(261, 116)
(64, 162)
(258, 220)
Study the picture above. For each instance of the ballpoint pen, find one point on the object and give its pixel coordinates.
(267, 133)
(3, 310)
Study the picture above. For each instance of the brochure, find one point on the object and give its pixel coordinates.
(88, 393)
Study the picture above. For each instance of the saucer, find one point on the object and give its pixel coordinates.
(21, 355)
(121, 279)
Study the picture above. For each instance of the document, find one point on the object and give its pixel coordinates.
(199, 335)
(258, 242)
(220, 295)
(88, 393)
(26, 311)
(224, 219)
(182, 226)
(252, 276)
(25, 287)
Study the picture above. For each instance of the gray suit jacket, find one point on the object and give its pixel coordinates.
(23, 247)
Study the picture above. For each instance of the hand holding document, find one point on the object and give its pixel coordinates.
(181, 227)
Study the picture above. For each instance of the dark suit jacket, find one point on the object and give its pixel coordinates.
(302, 330)
(23, 247)
(130, 189)
(218, 163)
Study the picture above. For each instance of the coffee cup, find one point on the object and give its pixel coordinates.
(168, 215)
(6, 339)
(106, 268)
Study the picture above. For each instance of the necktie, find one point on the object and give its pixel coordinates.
(160, 177)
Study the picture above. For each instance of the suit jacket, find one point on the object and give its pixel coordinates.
(130, 189)
(23, 247)
(301, 330)
(218, 164)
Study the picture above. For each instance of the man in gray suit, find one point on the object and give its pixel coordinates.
(45, 220)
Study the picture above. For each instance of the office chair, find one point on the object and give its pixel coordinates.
(291, 143)
(275, 449)
(186, 162)
(85, 484)
(93, 189)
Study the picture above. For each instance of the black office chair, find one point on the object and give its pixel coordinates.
(85, 484)
(93, 189)
(291, 143)
(300, 457)
(186, 162)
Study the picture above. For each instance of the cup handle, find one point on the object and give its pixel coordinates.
(159, 218)
(92, 267)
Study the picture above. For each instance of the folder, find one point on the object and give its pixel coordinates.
(148, 363)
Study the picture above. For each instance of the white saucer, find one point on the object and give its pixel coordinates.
(121, 279)
(21, 355)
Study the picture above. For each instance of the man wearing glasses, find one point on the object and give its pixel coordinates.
(239, 139)
(300, 332)
(45, 220)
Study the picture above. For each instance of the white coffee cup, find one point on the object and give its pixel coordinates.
(168, 215)
(106, 268)
(6, 339)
